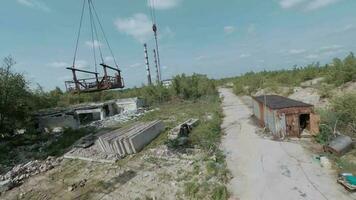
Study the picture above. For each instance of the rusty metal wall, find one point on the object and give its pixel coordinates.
(271, 119)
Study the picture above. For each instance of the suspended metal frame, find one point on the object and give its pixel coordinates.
(96, 83)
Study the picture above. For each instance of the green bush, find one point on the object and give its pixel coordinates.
(342, 71)
(337, 73)
(325, 134)
(344, 108)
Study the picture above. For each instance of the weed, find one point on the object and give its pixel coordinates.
(220, 193)
(191, 189)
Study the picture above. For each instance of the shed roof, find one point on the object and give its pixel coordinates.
(279, 102)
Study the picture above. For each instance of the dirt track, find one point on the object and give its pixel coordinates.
(270, 170)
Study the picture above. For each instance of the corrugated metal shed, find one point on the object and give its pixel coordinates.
(284, 116)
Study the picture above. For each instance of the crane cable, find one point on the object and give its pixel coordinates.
(106, 39)
(96, 31)
(93, 15)
(79, 32)
(93, 36)
(152, 11)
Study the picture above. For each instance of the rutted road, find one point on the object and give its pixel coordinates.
(270, 170)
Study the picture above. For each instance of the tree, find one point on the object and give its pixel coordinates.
(14, 109)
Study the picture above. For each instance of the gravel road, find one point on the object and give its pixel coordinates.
(270, 170)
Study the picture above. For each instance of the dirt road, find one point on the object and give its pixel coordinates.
(270, 170)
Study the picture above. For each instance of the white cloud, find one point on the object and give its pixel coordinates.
(316, 4)
(296, 51)
(59, 64)
(109, 59)
(135, 65)
(137, 26)
(229, 29)
(245, 55)
(290, 3)
(312, 56)
(348, 27)
(37, 4)
(163, 4)
(308, 5)
(80, 64)
(95, 43)
(334, 47)
(200, 58)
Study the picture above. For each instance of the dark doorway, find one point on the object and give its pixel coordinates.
(107, 110)
(304, 121)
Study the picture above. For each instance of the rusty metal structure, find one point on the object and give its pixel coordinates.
(285, 117)
(97, 82)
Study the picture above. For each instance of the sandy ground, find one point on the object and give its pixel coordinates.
(270, 170)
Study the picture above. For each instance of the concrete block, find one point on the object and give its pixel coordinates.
(130, 140)
(141, 139)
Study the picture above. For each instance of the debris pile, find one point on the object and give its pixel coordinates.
(74, 186)
(120, 118)
(19, 173)
(183, 130)
(348, 180)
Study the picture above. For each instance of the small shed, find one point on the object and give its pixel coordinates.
(284, 116)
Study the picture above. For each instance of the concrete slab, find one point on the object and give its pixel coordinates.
(130, 140)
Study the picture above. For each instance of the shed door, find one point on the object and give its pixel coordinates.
(292, 125)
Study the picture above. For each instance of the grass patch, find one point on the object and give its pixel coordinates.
(220, 193)
(64, 141)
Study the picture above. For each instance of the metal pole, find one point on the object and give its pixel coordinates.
(147, 65)
(154, 27)
(156, 64)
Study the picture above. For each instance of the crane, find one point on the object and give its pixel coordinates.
(97, 82)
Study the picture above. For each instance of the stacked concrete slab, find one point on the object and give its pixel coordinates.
(130, 140)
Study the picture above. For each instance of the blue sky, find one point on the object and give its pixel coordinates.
(218, 38)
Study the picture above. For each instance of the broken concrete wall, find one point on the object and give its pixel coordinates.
(88, 115)
(60, 120)
(130, 104)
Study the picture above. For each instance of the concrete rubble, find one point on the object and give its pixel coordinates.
(183, 129)
(21, 172)
(119, 118)
(130, 140)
